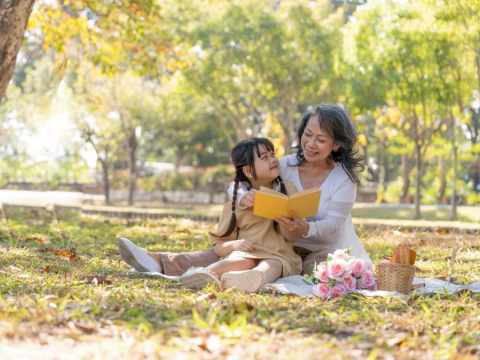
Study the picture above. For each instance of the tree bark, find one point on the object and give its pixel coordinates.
(418, 180)
(406, 179)
(443, 180)
(106, 182)
(453, 213)
(14, 16)
(132, 164)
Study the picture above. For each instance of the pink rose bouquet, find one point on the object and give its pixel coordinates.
(341, 273)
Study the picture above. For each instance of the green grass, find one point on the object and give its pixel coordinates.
(469, 214)
(141, 317)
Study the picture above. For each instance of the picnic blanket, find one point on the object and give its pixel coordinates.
(297, 285)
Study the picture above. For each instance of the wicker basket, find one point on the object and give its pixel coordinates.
(395, 277)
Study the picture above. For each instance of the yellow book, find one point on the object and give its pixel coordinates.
(270, 203)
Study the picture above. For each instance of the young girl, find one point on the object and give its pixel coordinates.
(254, 250)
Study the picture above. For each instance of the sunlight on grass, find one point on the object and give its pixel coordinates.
(44, 301)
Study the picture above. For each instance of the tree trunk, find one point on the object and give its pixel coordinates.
(453, 213)
(418, 180)
(132, 165)
(287, 122)
(406, 179)
(14, 16)
(443, 180)
(106, 182)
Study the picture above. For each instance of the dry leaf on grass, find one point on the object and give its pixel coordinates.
(206, 296)
(244, 306)
(96, 279)
(64, 253)
(38, 240)
(210, 343)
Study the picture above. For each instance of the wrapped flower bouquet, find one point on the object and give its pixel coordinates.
(342, 273)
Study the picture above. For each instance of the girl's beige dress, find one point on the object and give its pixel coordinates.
(260, 231)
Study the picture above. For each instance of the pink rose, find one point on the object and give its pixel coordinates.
(350, 283)
(373, 287)
(357, 266)
(368, 267)
(340, 254)
(336, 268)
(322, 273)
(367, 279)
(322, 290)
(339, 290)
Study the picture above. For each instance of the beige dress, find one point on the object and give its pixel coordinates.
(260, 231)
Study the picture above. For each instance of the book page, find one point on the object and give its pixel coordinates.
(305, 205)
(268, 205)
(272, 192)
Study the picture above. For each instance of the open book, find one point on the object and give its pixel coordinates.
(270, 203)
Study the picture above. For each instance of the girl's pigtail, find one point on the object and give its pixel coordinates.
(283, 190)
(233, 219)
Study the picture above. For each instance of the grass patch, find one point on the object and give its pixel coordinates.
(133, 316)
(469, 214)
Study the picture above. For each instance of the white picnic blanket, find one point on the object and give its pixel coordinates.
(297, 285)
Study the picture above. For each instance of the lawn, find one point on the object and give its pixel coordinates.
(469, 214)
(49, 310)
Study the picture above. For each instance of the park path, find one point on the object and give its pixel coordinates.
(199, 212)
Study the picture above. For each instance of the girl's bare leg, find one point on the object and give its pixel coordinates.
(272, 269)
(232, 264)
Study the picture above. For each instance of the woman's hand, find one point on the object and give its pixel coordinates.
(296, 226)
(248, 200)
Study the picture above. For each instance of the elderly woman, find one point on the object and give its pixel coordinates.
(326, 159)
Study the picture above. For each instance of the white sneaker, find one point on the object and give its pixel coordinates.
(198, 278)
(247, 280)
(137, 257)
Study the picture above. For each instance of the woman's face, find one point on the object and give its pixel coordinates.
(267, 166)
(316, 144)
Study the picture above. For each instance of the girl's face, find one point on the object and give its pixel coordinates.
(316, 144)
(267, 166)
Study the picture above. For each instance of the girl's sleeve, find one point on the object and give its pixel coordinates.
(223, 224)
(338, 211)
(241, 192)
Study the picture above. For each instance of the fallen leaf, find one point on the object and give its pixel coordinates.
(397, 340)
(38, 240)
(211, 343)
(244, 306)
(47, 269)
(64, 253)
(206, 296)
(96, 279)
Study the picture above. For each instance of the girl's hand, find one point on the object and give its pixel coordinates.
(295, 226)
(248, 200)
(242, 245)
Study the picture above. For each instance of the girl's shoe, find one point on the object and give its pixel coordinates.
(247, 280)
(137, 257)
(198, 278)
